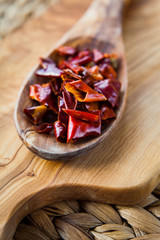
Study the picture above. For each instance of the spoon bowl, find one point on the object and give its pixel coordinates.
(97, 33)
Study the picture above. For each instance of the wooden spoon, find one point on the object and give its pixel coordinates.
(100, 28)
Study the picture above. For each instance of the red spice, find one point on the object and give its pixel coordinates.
(44, 128)
(81, 92)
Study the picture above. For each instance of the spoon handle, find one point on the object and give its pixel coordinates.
(102, 21)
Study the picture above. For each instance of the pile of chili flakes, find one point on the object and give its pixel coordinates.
(80, 95)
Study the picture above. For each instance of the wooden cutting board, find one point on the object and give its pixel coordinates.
(122, 170)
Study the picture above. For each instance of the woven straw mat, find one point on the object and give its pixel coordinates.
(74, 220)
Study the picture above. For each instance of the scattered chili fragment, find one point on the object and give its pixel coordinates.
(66, 50)
(92, 106)
(97, 55)
(62, 116)
(78, 129)
(83, 93)
(48, 69)
(56, 85)
(44, 95)
(110, 89)
(69, 99)
(60, 131)
(80, 92)
(107, 111)
(36, 113)
(85, 116)
(44, 128)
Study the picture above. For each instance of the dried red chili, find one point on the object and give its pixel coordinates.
(83, 93)
(44, 94)
(107, 111)
(62, 116)
(44, 128)
(48, 69)
(66, 50)
(56, 85)
(35, 114)
(95, 74)
(60, 131)
(78, 129)
(97, 55)
(82, 90)
(92, 106)
(69, 99)
(110, 89)
(85, 116)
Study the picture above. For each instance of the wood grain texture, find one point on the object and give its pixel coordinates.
(128, 169)
(100, 28)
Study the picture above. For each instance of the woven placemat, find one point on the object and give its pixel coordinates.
(73, 220)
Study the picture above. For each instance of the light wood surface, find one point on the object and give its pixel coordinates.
(122, 170)
(101, 28)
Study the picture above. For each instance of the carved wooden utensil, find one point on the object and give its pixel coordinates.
(123, 169)
(100, 28)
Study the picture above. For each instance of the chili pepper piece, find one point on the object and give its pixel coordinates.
(106, 55)
(97, 55)
(114, 60)
(85, 116)
(95, 74)
(66, 50)
(49, 69)
(60, 131)
(44, 128)
(107, 70)
(44, 94)
(84, 53)
(74, 67)
(107, 111)
(92, 106)
(116, 84)
(94, 69)
(71, 74)
(35, 113)
(109, 89)
(62, 116)
(82, 61)
(56, 85)
(78, 129)
(83, 93)
(69, 99)
(83, 57)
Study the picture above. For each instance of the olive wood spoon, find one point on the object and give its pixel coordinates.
(101, 28)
